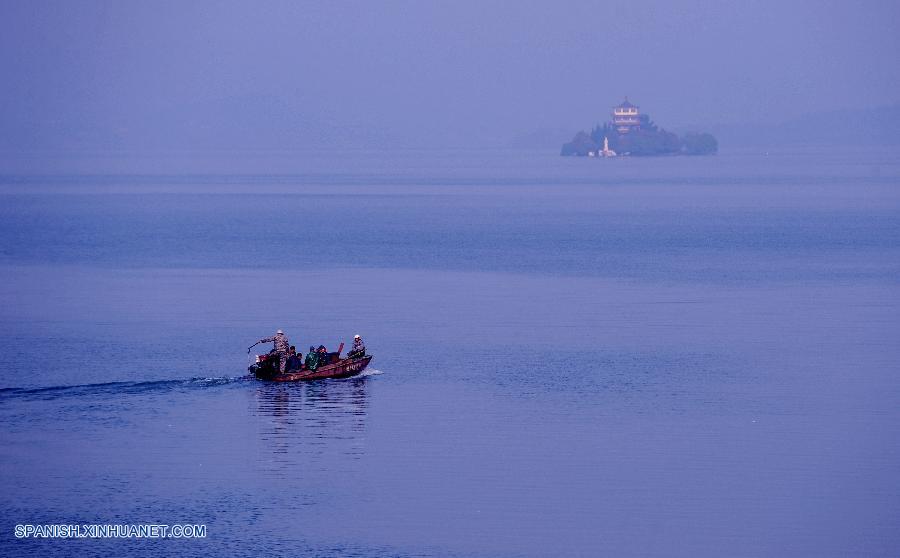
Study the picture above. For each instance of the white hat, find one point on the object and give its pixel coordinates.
(356, 336)
(279, 332)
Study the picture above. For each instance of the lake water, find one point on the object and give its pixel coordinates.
(658, 357)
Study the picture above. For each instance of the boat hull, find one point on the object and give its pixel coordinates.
(343, 368)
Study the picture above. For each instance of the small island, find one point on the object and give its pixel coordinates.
(632, 133)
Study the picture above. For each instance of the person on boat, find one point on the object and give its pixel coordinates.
(324, 357)
(295, 360)
(312, 359)
(358, 349)
(282, 347)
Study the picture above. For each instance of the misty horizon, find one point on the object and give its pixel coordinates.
(238, 76)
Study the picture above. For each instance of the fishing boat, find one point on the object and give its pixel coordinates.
(266, 368)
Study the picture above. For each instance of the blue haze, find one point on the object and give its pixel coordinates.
(169, 76)
(657, 357)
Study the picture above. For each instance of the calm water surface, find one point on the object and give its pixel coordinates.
(666, 357)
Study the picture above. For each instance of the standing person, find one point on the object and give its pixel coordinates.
(282, 347)
(358, 349)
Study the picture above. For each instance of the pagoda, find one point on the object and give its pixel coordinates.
(626, 117)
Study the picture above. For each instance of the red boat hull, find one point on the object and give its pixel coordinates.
(343, 368)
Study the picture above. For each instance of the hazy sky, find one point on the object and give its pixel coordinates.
(262, 75)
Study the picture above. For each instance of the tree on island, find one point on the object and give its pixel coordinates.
(581, 144)
(700, 144)
(646, 140)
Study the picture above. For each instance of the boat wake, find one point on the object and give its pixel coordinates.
(368, 372)
(116, 388)
(133, 388)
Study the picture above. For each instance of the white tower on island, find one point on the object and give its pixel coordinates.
(607, 152)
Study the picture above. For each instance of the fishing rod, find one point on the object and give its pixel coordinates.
(249, 358)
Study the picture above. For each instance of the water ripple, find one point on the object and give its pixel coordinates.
(106, 388)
